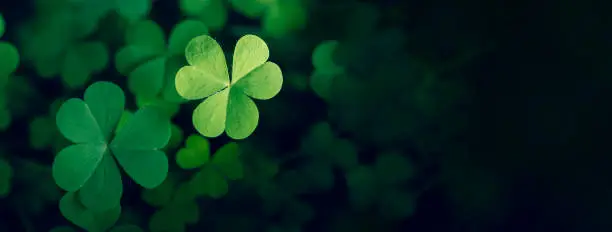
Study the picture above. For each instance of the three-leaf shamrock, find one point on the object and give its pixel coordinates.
(212, 178)
(229, 106)
(88, 165)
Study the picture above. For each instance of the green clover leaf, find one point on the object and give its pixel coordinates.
(148, 60)
(9, 64)
(212, 178)
(72, 209)
(88, 165)
(2, 25)
(325, 68)
(278, 18)
(228, 106)
(161, 195)
(195, 153)
(10, 59)
(82, 60)
(133, 10)
(181, 210)
(43, 131)
(212, 12)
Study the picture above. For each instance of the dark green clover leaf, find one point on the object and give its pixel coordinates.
(147, 57)
(195, 153)
(2, 25)
(44, 132)
(325, 68)
(82, 60)
(380, 186)
(90, 220)
(88, 165)
(10, 61)
(212, 12)
(278, 18)
(212, 178)
(161, 195)
(133, 10)
(228, 106)
(180, 211)
(6, 176)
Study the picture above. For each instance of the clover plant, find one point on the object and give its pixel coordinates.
(228, 106)
(89, 165)
(150, 62)
(214, 173)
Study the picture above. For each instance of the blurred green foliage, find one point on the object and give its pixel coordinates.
(354, 114)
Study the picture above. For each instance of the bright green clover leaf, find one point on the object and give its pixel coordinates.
(10, 59)
(88, 165)
(6, 174)
(147, 59)
(82, 60)
(380, 186)
(228, 106)
(212, 12)
(72, 209)
(195, 153)
(212, 178)
(133, 10)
